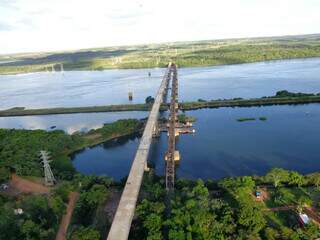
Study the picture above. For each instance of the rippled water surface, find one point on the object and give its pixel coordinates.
(88, 88)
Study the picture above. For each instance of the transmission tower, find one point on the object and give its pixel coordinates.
(48, 175)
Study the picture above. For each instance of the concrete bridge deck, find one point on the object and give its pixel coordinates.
(121, 224)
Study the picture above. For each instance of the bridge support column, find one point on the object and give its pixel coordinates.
(146, 168)
(156, 130)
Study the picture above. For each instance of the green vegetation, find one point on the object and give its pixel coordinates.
(281, 98)
(239, 102)
(42, 213)
(19, 149)
(40, 218)
(223, 209)
(46, 111)
(201, 53)
(251, 119)
(285, 94)
(86, 221)
(245, 119)
(183, 118)
(226, 209)
(149, 100)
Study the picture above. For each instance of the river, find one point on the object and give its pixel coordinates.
(221, 146)
(90, 88)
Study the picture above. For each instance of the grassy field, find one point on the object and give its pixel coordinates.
(201, 53)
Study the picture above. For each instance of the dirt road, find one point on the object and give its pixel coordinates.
(62, 232)
(27, 186)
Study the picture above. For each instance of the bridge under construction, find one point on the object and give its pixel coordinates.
(172, 155)
(121, 224)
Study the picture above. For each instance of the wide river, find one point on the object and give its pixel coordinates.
(221, 145)
(88, 88)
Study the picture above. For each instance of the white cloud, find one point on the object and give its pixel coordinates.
(43, 25)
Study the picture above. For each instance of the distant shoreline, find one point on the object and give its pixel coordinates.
(185, 54)
(163, 67)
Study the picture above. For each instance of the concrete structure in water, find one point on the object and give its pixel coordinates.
(121, 224)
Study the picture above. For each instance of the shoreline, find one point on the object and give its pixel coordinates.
(154, 67)
(184, 106)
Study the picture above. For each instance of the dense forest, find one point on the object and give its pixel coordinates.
(19, 149)
(227, 209)
(202, 53)
(214, 209)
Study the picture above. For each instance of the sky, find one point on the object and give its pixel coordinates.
(54, 25)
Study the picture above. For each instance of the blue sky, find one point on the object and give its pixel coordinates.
(49, 25)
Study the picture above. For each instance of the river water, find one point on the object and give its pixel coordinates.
(89, 88)
(221, 145)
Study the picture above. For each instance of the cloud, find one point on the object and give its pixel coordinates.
(6, 27)
(46, 25)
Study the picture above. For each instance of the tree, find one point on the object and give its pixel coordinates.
(250, 216)
(247, 182)
(310, 231)
(30, 230)
(302, 202)
(271, 234)
(58, 207)
(149, 100)
(314, 179)
(153, 223)
(283, 196)
(9, 228)
(86, 234)
(195, 216)
(296, 179)
(4, 174)
(276, 176)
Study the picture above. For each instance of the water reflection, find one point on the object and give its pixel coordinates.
(70, 123)
(223, 146)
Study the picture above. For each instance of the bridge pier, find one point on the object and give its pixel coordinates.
(156, 130)
(146, 168)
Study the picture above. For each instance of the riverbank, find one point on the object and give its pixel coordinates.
(278, 99)
(26, 144)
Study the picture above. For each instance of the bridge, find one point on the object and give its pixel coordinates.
(172, 155)
(121, 224)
